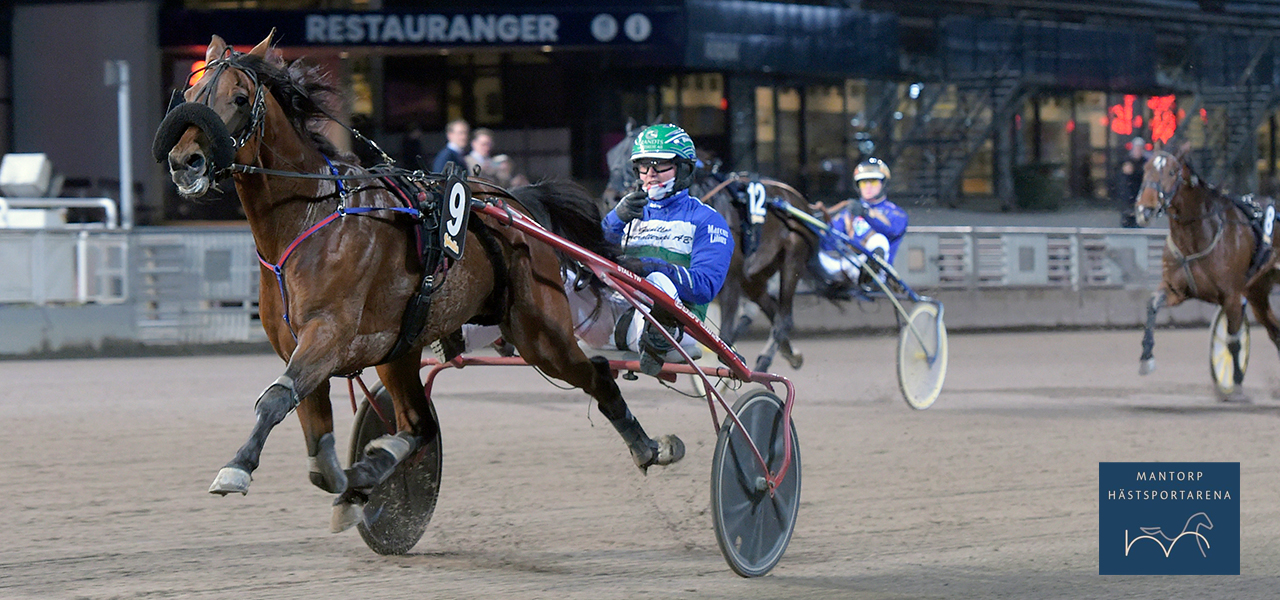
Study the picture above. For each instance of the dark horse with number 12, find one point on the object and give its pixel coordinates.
(340, 268)
(1207, 257)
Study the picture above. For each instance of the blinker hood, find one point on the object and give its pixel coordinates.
(189, 114)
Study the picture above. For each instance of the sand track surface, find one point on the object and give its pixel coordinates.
(992, 493)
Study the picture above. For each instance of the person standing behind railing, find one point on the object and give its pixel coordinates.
(456, 132)
(1129, 181)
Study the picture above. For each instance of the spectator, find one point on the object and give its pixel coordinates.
(481, 149)
(456, 132)
(1129, 181)
(504, 172)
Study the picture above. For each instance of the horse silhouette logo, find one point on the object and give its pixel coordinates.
(1194, 525)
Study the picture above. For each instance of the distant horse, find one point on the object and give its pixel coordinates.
(776, 245)
(342, 284)
(1206, 257)
(768, 243)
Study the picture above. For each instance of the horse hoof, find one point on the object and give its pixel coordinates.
(345, 516)
(670, 450)
(796, 361)
(231, 480)
(1237, 395)
(1147, 366)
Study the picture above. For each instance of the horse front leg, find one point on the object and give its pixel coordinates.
(1147, 362)
(312, 363)
(315, 413)
(415, 426)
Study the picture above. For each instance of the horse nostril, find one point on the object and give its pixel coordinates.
(195, 162)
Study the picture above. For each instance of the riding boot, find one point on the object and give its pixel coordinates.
(654, 346)
(870, 269)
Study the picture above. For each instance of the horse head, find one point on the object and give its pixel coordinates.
(1162, 178)
(222, 112)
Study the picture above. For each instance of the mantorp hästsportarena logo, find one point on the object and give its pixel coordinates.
(1169, 518)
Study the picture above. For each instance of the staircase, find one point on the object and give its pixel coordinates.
(951, 121)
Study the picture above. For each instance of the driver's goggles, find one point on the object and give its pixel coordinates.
(643, 167)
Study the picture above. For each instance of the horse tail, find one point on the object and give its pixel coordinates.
(566, 209)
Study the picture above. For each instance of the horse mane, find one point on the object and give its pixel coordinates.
(567, 210)
(305, 94)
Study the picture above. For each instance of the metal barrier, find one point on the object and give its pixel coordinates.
(1044, 257)
(200, 285)
(110, 219)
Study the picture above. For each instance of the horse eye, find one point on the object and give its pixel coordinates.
(241, 100)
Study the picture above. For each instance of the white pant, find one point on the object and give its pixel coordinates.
(595, 318)
(849, 264)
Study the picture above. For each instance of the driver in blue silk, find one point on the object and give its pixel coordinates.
(871, 219)
(684, 243)
(684, 246)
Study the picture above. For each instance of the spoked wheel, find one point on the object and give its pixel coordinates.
(754, 526)
(399, 509)
(1220, 363)
(922, 359)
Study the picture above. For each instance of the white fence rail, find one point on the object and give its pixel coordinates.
(200, 285)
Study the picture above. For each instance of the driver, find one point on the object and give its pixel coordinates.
(684, 243)
(872, 220)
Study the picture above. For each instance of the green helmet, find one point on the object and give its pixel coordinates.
(667, 142)
(663, 141)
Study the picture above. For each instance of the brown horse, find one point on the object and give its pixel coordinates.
(777, 244)
(336, 284)
(1206, 257)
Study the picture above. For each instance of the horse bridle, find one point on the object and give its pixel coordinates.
(257, 112)
(1167, 196)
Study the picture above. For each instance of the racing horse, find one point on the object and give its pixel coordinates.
(341, 275)
(768, 243)
(778, 245)
(1207, 255)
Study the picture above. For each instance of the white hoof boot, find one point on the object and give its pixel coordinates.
(670, 450)
(345, 516)
(1147, 366)
(231, 480)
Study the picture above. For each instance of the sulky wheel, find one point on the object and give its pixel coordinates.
(922, 359)
(754, 526)
(399, 509)
(1221, 367)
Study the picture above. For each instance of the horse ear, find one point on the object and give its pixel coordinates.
(216, 48)
(1183, 150)
(260, 50)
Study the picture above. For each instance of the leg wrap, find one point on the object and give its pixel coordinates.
(277, 401)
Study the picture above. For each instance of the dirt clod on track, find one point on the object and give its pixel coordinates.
(992, 493)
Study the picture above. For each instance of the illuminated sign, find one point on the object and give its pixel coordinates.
(1164, 121)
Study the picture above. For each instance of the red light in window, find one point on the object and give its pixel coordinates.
(724, 104)
(1071, 125)
(1204, 115)
(1122, 116)
(1137, 121)
(1164, 123)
